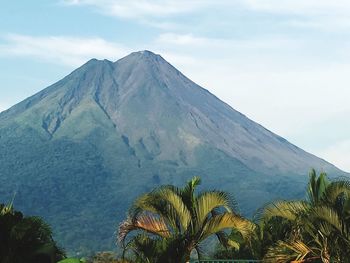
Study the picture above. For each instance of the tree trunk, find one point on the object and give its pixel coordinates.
(326, 258)
(187, 254)
(187, 257)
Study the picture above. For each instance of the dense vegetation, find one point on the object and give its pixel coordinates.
(318, 227)
(25, 239)
(169, 224)
(80, 189)
(311, 230)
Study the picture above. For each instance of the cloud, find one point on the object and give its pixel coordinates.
(313, 14)
(309, 7)
(164, 8)
(284, 98)
(71, 51)
(159, 14)
(321, 15)
(141, 8)
(339, 154)
(189, 41)
(186, 39)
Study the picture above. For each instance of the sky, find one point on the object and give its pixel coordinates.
(283, 63)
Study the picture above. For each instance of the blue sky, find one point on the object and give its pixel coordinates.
(283, 63)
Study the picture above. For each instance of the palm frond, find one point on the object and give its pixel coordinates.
(227, 220)
(143, 203)
(317, 187)
(175, 202)
(284, 252)
(6, 209)
(148, 223)
(325, 214)
(234, 244)
(207, 202)
(335, 189)
(223, 238)
(187, 193)
(145, 248)
(194, 182)
(289, 210)
(155, 203)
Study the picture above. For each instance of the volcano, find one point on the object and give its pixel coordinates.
(78, 152)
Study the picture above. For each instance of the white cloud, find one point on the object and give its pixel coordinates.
(312, 14)
(309, 7)
(186, 39)
(189, 41)
(71, 51)
(338, 154)
(141, 8)
(322, 15)
(285, 99)
(176, 58)
(164, 8)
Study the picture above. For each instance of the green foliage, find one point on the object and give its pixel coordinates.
(319, 226)
(25, 239)
(171, 222)
(106, 257)
(85, 183)
(266, 233)
(315, 230)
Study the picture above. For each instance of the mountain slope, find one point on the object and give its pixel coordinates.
(81, 150)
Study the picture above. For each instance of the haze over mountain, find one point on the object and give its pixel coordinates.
(78, 152)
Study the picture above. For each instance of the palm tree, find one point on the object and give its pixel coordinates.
(170, 222)
(266, 233)
(320, 225)
(25, 239)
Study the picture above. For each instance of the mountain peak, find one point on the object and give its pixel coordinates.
(93, 62)
(147, 53)
(144, 56)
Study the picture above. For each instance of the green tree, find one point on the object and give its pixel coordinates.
(319, 225)
(169, 222)
(265, 234)
(25, 239)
